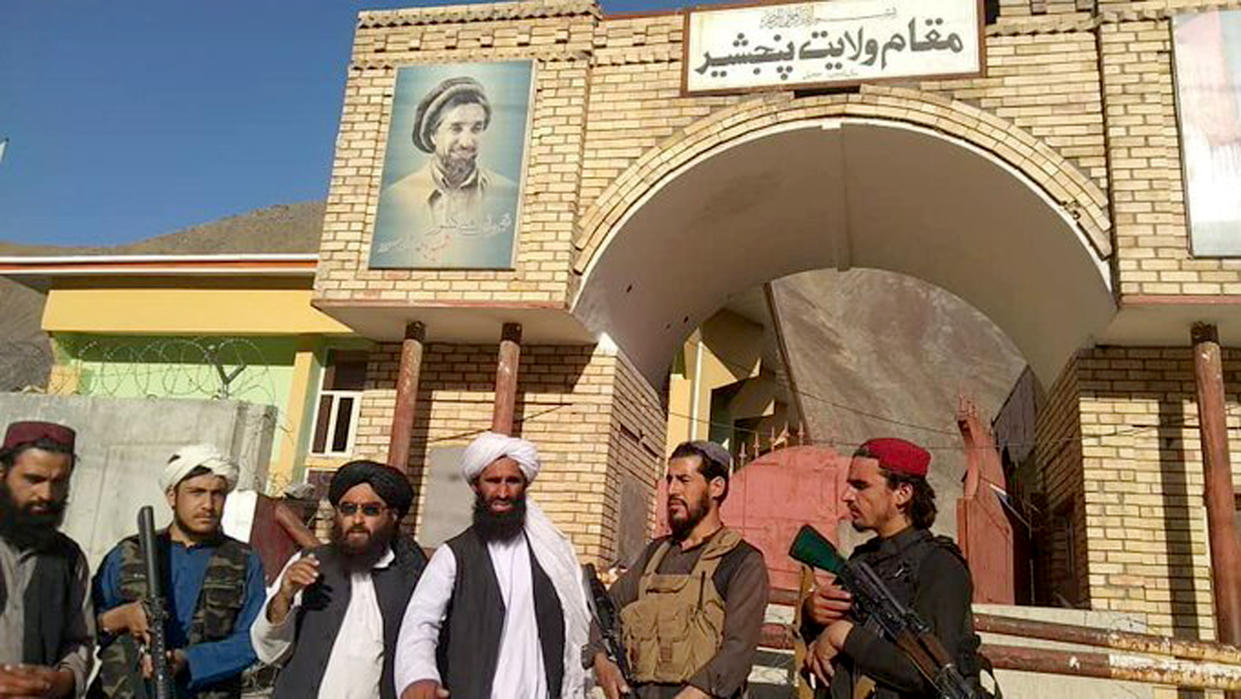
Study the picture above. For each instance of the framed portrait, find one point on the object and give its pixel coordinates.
(454, 164)
(1207, 56)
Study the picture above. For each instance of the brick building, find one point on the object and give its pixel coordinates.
(1047, 192)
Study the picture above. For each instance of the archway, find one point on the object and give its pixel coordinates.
(766, 191)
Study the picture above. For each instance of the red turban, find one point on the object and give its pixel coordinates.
(899, 455)
(29, 432)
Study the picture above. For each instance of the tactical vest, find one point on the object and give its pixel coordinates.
(676, 625)
(220, 601)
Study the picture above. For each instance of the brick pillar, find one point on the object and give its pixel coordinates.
(506, 379)
(406, 396)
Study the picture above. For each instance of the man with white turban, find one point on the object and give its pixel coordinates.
(500, 611)
(213, 586)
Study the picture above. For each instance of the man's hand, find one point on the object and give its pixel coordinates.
(35, 681)
(608, 677)
(177, 661)
(819, 656)
(691, 692)
(829, 603)
(128, 618)
(298, 577)
(424, 689)
(837, 634)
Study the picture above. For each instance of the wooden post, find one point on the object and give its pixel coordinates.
(506, 379)
(1219, 494)
(406, 396)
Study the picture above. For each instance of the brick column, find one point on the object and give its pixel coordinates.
(406, 396)
(506, 379)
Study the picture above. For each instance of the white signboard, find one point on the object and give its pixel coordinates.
(837, 42)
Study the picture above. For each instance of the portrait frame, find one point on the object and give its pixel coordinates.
(1206, 61)
(424, 219)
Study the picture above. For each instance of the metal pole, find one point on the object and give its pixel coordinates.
(506, 379)
(1126, 641)
(406, 396)
(1219, 493)
(1116, 666)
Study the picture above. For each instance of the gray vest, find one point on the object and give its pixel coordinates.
(46, 600)
(469, 645)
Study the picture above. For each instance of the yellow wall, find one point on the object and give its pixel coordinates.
(231, 306)
(196, 311)
(281, 473)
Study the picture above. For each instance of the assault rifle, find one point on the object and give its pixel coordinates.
(604, 613)
(156, 607)
(884, 613)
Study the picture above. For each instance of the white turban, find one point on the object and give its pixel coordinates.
(188, 458)
(491, 446)
(550, 546)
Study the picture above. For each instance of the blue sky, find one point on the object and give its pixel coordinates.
(133, 118)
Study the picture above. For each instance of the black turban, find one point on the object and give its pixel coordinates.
(461, 90)
(389, 483)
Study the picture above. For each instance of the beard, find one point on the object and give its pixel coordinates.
(457, 168)
(22, 526)
(359, 557)
(694, 512)
(499, 526)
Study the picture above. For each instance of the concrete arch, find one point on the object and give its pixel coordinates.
(888, 178)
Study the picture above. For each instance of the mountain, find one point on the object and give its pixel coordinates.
(880, 354)
(25, 352)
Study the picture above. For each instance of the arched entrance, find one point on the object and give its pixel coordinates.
(888, 179)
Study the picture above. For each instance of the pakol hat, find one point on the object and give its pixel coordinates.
(899, 456)
(29, 432)
(428, 115)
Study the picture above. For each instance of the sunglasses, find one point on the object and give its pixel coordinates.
(349, 509)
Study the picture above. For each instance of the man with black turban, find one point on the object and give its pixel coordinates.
(439, 214)
(333, 612)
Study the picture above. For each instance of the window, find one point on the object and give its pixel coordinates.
(340, 397)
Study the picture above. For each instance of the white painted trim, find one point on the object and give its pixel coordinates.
(121, 259)
(334, 418)
(155, 271)
(697, 388)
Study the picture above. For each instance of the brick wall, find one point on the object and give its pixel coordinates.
(1094, 85)
(558, 36)
(1143, 484)
(1058, 455)
(565, 405)
(635, 460)
(1153, 255)
(1119, 443)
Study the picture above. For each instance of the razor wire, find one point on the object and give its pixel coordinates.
(220, 368)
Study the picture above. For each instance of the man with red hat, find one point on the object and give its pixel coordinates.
(46, 624)
(888, 494)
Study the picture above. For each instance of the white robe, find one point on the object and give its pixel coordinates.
(520, 671)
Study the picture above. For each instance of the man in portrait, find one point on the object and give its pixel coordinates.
(440, 214)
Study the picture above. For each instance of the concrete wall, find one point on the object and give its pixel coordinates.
(180, 366)
(123, 444)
